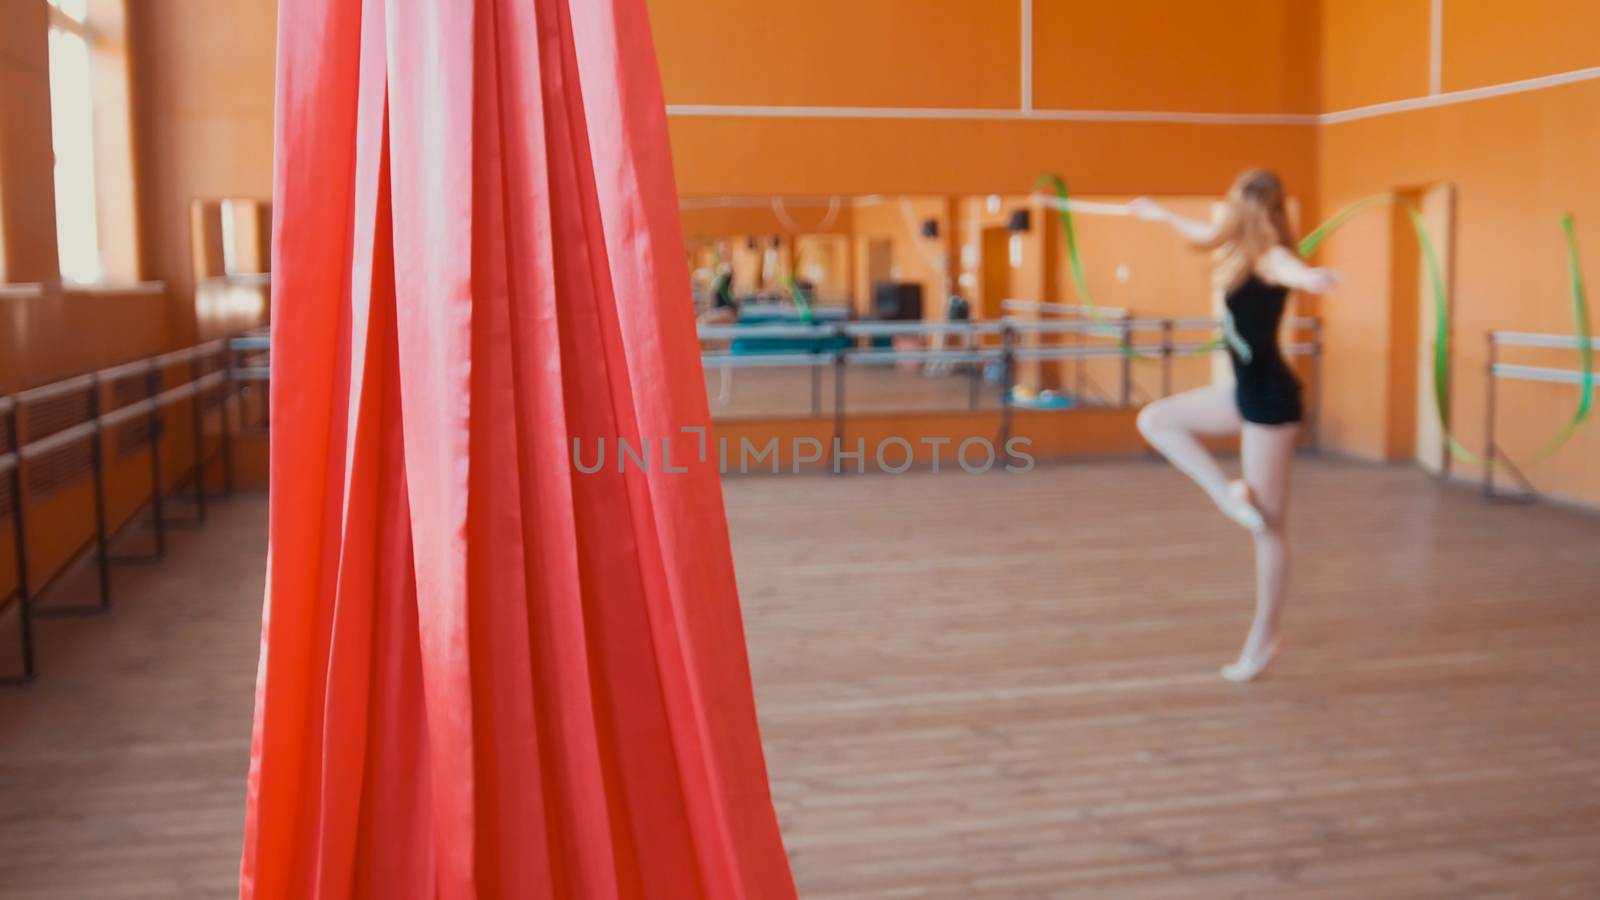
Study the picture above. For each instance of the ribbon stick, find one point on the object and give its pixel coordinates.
(1091, 207)
(1064, 205)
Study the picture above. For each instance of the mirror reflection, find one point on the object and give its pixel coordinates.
(926, 291)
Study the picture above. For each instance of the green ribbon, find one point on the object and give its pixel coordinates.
(1580, 317)
(1441, 336)
(1310, 243)
(1442, 330)
(1441, 308)
(792, 282)
(1075, 265)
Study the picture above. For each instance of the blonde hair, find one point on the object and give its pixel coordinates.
(1254, 222)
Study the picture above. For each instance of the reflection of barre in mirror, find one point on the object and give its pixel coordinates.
(978, 350)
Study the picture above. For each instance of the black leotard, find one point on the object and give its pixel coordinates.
(722, 292)
(1267, 390)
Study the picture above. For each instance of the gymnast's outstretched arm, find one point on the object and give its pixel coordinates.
(1280, 265)
(1285, 267)
(1201, 234)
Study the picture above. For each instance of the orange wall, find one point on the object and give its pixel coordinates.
(754, 216)
(1243, 56)
(916, 258)
(1518, 163)
(1374, 51)
(1170, 55)
(27, 192)
(1028, 277)
(1491, 41)
(49, 334)
(838, 52)
(1160, 55)
(203, 120)
(717, 155)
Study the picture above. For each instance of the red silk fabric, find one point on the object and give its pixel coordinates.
(485, 674)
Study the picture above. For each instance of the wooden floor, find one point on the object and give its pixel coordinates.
(998, 686)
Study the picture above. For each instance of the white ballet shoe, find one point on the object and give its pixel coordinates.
(1239, 506)
(1247, 668)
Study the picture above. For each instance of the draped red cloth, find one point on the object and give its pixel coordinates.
(485, 673)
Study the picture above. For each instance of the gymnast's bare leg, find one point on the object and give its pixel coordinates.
(1267, 456)
(1259, 501)
(1174, 426)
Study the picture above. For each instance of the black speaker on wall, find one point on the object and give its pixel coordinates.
(897, 301)
(930, 228)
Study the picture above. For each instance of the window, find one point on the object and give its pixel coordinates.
(77, 10)
(72, 133)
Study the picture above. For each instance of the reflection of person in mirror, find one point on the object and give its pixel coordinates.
(724, 310)
(956, 310)
(1257, 266)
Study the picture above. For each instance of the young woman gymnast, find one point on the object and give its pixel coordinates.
(1256, 266)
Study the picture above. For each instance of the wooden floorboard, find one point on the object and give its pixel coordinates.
(998, 686)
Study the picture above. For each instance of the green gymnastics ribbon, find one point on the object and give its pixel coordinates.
(792, 282)
(1442, 329)
(1580, 316)
(1075, 264)
(1310, 243)
(1441, 336)
(1441, 308)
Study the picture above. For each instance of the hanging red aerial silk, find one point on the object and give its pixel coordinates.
(485, 673)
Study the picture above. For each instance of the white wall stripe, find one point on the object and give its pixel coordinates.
(733, 202)
(1027, 55)
(1436, 48)
(1449, 98)
(1012, 115)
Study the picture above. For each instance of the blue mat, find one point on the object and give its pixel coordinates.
(825, 342)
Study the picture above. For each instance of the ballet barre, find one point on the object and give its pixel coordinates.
(207, 371)
(1065, 309)
(989, 348)
(730, 360)
(1495, 370)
